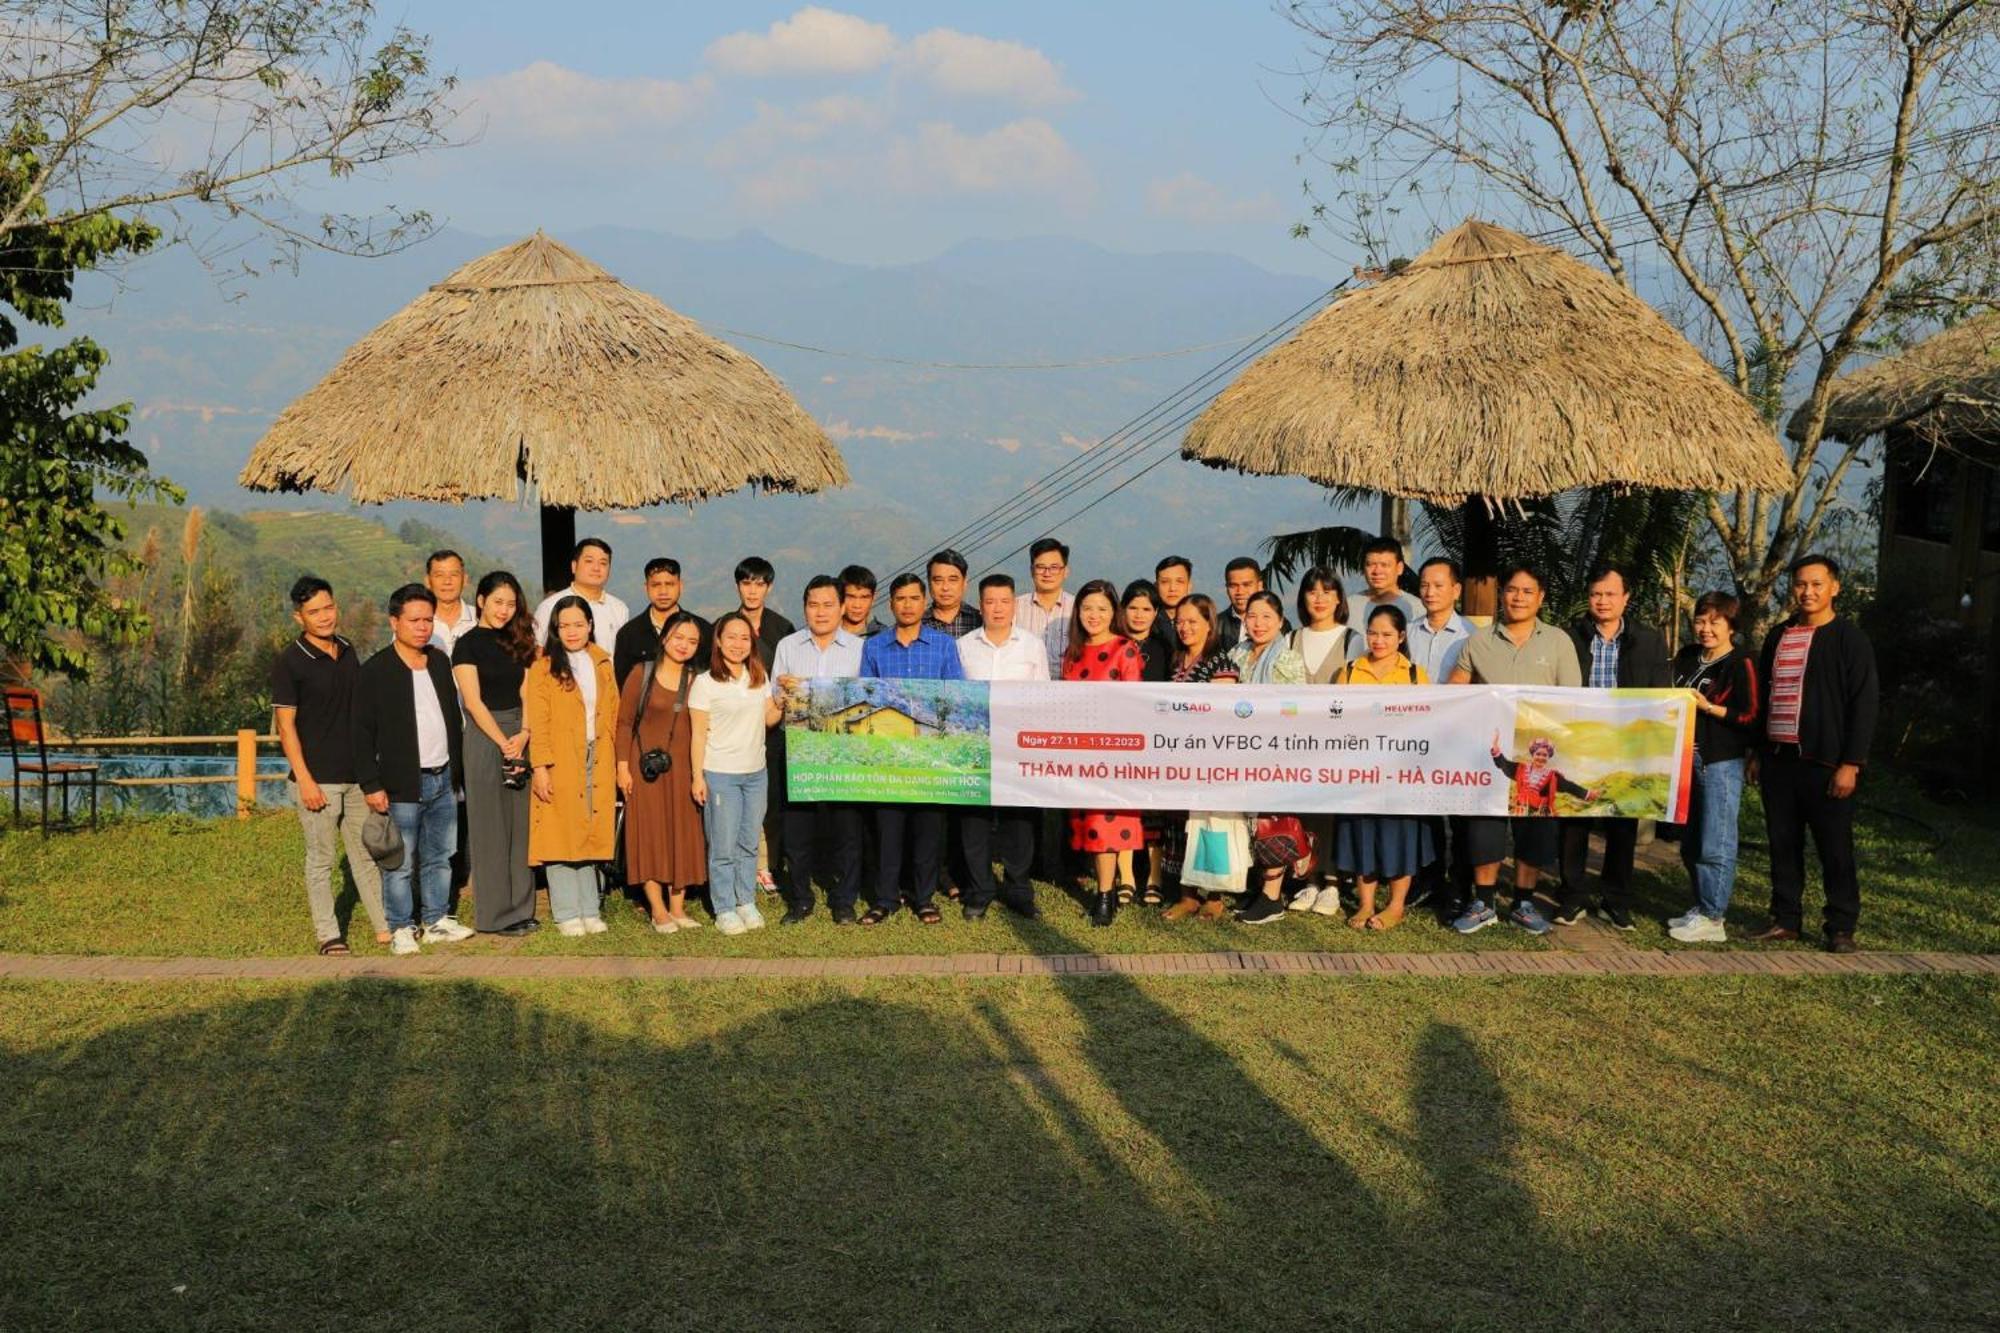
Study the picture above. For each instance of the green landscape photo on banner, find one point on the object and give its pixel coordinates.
(1622, 753)
(878, 739)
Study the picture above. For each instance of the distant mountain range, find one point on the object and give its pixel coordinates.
(208, 361)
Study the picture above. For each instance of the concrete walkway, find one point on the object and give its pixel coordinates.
(440, 966)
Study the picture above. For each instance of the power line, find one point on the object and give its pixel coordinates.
(1086, 364)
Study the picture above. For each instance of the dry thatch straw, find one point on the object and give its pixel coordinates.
(1945, 389)
(1492, 366)
(533, 364)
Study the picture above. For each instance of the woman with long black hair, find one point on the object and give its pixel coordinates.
(489, 662)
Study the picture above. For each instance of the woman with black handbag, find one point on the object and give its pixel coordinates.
(665, 850)
(488, 663)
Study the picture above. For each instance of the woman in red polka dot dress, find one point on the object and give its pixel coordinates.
(1099, 650)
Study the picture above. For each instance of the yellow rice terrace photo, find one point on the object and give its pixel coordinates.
(858, 668)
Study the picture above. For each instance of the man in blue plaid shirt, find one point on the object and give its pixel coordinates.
(915, 648)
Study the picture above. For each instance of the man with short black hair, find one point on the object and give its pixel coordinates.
(754, 577)
(409, 759)
(589, 572)
(1242, 579)
(1045, 613)
(1173, 576)
(823, 650)
(312, 697)
(444, 575)
(857, 601)
(999, 650)
(1519, 648)
(1382, 584)
(639, 638)
(1824, 702)
(1434, 641)
(913, 649)
(1613, 654)
(946, 571)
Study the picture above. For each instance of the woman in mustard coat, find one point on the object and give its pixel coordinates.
(570, 706)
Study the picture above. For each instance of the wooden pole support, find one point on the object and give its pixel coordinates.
(246, 772)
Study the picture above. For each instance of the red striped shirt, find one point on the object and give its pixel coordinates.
(1788, 679)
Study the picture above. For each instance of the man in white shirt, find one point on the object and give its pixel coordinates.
(1046, 613)
(444, 575)
(999, 650)
(1382, 573)
(589, 571)
(1436, 639)
(824, 649)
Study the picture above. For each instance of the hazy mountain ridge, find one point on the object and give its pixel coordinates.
(208, 366)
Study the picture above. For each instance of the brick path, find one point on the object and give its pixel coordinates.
(447, 967)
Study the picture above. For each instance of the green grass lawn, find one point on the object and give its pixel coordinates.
(1103, 1153)
(230, 888)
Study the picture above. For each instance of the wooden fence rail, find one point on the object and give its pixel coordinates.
(245, 777)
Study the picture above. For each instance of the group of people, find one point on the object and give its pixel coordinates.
(613, 752)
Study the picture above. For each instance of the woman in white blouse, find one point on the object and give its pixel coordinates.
(730, 707)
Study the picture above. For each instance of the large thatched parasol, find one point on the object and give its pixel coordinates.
(533, 365)
(1946, 389)
(1490, 368)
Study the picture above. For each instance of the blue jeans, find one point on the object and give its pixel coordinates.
(430, 836)
(1708, 846)
(732, 819)
(573, 890)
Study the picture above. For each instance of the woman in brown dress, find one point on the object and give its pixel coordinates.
(664, 846)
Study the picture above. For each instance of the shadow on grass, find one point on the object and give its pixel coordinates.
(1056, 1155)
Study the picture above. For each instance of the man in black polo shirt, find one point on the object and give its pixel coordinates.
(312, 693)
(639, 638)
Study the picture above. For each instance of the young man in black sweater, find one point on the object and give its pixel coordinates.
(409, 760)
(1818, 725)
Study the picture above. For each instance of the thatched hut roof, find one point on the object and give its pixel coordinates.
(1946, 388)
(1495, 366)
(533, 364)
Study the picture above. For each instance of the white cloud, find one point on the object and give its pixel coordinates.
(546, 102)
(777, 129)
(1023, 155)
(812, 41)
(843, 431)
(1191, 199)
(1010, 443)
(966, 65)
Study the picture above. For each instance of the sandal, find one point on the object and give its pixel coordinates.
(1124, 895)
(1151, 896)
(929, 915)
(334, 948)
(875, 916)
(1360, 922)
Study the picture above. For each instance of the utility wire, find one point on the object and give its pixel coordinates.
(1088, 363)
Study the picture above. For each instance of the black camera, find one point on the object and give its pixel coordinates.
(653, 764)
(513, 773)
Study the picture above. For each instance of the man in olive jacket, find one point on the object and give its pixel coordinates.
(409, 761)
(1819, 722)
(1613, 653)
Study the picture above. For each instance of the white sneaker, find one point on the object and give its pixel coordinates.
(729, 923)
(594, 925)
(666, 927)
(445, 930)
(750, 916)
(1327, 901)
(1303, 900)
(572, 928)
(404, 941)
(1701, 930)
(1689, 917)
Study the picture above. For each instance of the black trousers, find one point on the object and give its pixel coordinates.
(1795, 801)
(1003, 833)
(915, 831)
(813, 828)
(1449, 877)
(775, 802)
(1621, 848)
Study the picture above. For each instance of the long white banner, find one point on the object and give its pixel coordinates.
(1418, 750)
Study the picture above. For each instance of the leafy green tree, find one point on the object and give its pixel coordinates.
(58, 544)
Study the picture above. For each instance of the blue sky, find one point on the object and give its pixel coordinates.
(874, 132)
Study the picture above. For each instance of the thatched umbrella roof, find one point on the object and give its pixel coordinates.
(1946, 388)
(1490, 365)
(533, 364)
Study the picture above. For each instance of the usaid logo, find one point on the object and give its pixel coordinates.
(1180, 706)
(1244, 708)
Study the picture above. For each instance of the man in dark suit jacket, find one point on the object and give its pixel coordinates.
(639, 638)
(1612, 653)
(1819, 720)
(409, 760)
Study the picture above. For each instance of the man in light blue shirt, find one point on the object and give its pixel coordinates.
(822, 650)
(1382, 580)
(1440, 633)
